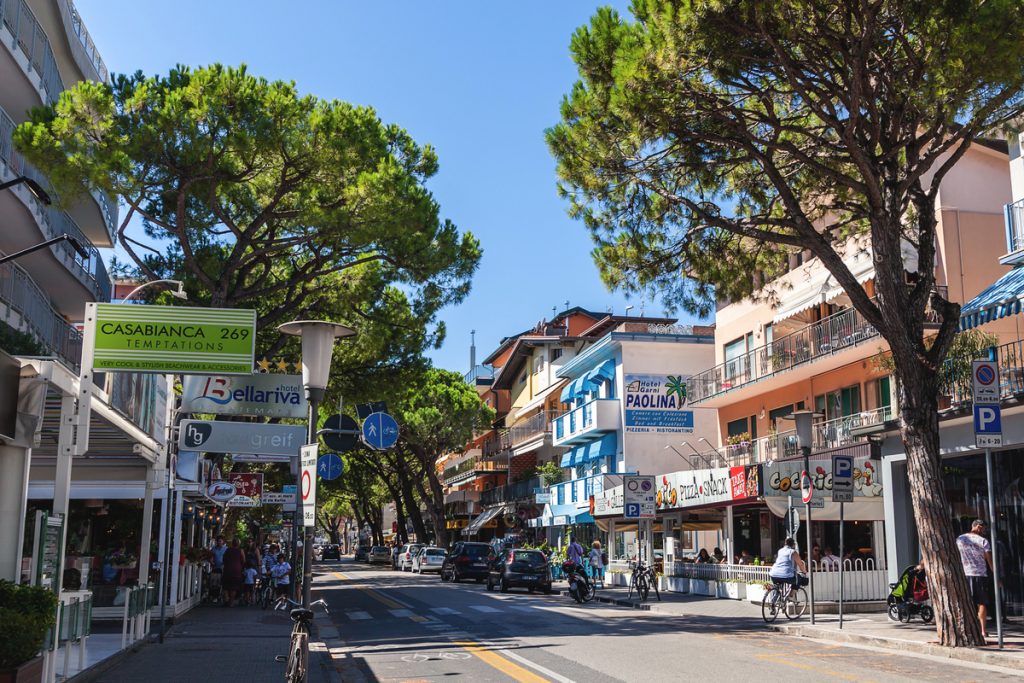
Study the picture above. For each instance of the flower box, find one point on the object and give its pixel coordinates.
(755, 592)
(703, 587)
(733, 590)
(678, 584)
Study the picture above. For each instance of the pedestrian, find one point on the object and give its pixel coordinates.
(234, 563)
(703, 557)
(575, 552)
(976, 555)
(281, 573)
(218, 550)
(745, 558)
(787, 562)
(597, 563)
(816, 556)
(829, 561)
(249, 576)
(719, 556)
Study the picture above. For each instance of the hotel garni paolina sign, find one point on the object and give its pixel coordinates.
(172, 339)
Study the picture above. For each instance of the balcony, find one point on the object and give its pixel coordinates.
(520, 490)
(28, 309)
(841, 431)
(84, 49)
(467, 469)
(579, 424)
(90, 271)
(31, 48)
(1014, 217)
(529, 432)
(825, 339)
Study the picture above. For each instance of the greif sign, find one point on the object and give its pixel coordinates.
(265, 395)
(172, 339)
(240, 437)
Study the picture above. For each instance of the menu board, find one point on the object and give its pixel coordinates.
(46, 559)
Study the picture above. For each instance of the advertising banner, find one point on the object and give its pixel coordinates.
(267, 395)
(655, 404)
(240, 437)
(173, 339)
(248, 489)
(782, 477)
(694, 488)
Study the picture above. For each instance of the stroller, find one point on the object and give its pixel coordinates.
(908, 595)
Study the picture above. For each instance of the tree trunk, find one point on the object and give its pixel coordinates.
(956, 620)
(396, 495)
(412, 505)
(435, 503)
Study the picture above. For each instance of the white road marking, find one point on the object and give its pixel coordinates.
(400, 612)
(357, 615)
(484, 608)
(527, 663)
(443, 610)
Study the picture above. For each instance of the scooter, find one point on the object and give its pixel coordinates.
(581, 588)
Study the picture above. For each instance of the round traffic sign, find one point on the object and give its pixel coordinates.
(380, 431)
(806, 487)
(329, 466)
(985, 374)
(307, 485)
(341, 442)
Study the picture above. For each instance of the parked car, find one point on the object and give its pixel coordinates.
(362, 553)
(379, 554)
(330, 552)
(395, 552)
(467, 560)
(406, 555)
(519, 568)
(428, 559)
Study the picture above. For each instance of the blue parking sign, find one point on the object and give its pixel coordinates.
(988, 426)
(632, 511)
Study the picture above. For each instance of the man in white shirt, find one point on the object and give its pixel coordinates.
(976, 555)
(829, 561)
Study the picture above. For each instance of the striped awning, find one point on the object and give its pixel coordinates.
(588, 452)
(998, 300)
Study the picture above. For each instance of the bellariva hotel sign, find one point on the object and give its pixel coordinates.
(172, 339)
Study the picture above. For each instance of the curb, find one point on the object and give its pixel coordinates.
(93, 672)
(972, 655)
(619, 602)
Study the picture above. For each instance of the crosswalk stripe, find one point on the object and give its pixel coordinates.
(357, 615)
(484, 608)
(443, 610)
(400, 613)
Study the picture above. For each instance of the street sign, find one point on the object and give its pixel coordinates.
(168, 339)
(221, 491)
(988, 427)
(792, 522)
(268, 395)
(542, 498)
(291, 491)
(817, 503)
(278, 498)
(806, 487)
(380, 431)
(329, 466)
(985, 376)
(307, 461)
(240, 437)
(842, 478)
(639, 496)
(341, 442)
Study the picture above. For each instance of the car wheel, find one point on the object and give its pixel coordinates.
(455, 576)
(504, 586)
(490, 585)
(529, 589)
(547, 590)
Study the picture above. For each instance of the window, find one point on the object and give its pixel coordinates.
(555, 354)
(775, 415)
(737, 427)
(769, 335)
(878, 393)
(561, 494)
(840, 403)
(522, 377)
(736, 356)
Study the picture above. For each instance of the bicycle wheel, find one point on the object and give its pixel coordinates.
(298, 655)
(642, 587)
(654, 584)
(796, 603)
(588, 592)
(769, 606)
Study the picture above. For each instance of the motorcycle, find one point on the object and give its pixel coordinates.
(581, 588)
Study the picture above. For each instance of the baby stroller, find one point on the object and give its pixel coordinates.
(908, 595)
(213, 593)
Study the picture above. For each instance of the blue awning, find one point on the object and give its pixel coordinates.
(566, 395)
(998, 300)
(574, 456)
(605, 372)
(602, 448)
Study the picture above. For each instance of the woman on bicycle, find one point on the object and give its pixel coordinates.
(787, 563)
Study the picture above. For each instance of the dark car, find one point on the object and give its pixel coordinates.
(520, 569)
(330, 552)
(362, 553)
(466, 561)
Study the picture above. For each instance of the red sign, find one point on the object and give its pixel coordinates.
(806, 487)
(745, 481)
(249, 484)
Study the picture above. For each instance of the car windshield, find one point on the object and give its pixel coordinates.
(478, 550)
(434, 552)
(531, 558)
(379, 549)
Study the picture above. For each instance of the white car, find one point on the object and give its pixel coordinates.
(429, 559)
(406, 554)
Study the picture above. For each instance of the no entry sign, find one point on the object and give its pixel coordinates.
(307, 486)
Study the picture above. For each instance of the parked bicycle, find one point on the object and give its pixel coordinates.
(265, 594)
(298, 648)
(643, 580)
(783, 598)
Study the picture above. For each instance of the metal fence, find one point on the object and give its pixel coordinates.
(21, 294)
(956, 382)
(30, 39)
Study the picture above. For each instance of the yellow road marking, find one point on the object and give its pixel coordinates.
(782, 658)
(496, 661)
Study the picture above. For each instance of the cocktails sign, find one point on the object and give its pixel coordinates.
(172, 339)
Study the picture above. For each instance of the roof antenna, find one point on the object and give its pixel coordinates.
(554, 313)
(472, 350)
(628, 309)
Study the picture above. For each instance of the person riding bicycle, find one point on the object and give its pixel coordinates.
(787, 563)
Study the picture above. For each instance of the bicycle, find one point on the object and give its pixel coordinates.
(643, 580)
(297, 659)
(265, 597)
(786, 598)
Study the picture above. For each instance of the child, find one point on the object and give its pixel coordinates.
(250, 582)
(282, 575)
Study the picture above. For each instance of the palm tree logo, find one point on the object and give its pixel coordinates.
(676, 385)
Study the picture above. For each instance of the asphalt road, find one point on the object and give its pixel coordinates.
(395, 626)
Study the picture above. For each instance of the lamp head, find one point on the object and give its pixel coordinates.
(318, 338)
(77, 246)
(180, 292)
(36, 189)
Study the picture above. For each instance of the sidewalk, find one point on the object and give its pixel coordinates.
(871, 629)
(239, 644)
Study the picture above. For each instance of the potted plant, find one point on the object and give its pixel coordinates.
(703, 587)
(755, 591)
(732, 588)
(26, 613)
(678, 584)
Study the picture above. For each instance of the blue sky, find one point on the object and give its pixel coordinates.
(478, 80)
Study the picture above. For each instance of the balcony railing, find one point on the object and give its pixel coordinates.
(520, 490)
(19, 292)
(91, 271)
(957, 383)
(826, 434)
(600, 414)
(825, 337)
(465, 469)
(78, 29)
(31, 41)
(537, 425)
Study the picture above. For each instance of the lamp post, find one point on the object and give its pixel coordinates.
(75, 244)
(34, 188)
(179, 293)
(318, 337)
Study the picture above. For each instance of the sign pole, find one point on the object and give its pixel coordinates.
(307, 531)
(810, 569)
(995, 543)
(842, 519)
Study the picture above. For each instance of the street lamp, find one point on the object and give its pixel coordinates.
(318, 337)
(33, 187)
(75, 244)
(179, 293)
